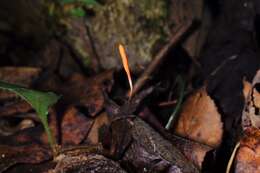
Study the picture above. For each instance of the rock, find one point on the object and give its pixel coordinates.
(139, 25)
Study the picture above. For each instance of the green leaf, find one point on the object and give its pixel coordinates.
(89, 2)
(40, 101)
(77, 12)
(85, 2)
(67, 1)
(181, 87)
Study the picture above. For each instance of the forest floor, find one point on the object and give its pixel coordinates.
(192, 106)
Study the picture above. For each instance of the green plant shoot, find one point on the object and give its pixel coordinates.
(77, 12)
(181, 86)
(76, 7)
(85, 2)
(40, 102)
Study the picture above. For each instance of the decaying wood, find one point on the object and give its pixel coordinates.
(140, 146)
(194, 151)
(154, 152)
(86, 163)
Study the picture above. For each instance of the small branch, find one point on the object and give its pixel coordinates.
(160, 56)
(168, 103)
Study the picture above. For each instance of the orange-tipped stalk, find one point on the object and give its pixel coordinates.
(126, 67)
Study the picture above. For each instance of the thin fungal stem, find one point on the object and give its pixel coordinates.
(124, 59)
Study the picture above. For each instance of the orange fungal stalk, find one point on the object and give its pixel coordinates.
(126, 67)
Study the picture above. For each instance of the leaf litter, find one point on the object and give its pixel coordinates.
(98, 129)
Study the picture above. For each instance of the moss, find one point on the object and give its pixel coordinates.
(137, 24)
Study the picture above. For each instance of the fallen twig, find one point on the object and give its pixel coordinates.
(168, 103)
(160, 56)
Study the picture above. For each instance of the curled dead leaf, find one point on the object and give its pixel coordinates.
(99, 122)
(19, 75)
(246, 88)
(200, 120)
(24, 76)
(251, 112)
(248, 155)
(33, 153)
(75, 126)
(18, 107)
(87, 93)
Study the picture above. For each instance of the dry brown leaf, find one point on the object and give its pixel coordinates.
(31, 153)
(18, 107)
(247, 86)
(200, 120)
(75, 127)
(19, 75)
(251, 112)
(100, 120)
(87, 92)
(23, 76)
(248, 156)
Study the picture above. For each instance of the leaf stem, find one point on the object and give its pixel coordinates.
(50, 137)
